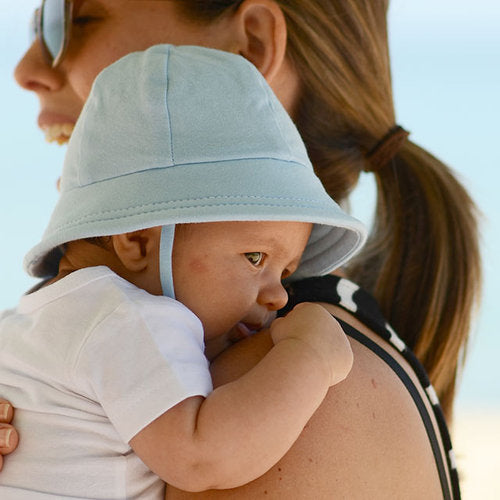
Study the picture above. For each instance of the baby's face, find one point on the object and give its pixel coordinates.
(229, 273)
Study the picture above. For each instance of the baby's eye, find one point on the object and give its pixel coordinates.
(255, 258)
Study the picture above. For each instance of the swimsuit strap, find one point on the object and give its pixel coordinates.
(346, 294)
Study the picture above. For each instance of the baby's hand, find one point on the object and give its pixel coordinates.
(314, 325)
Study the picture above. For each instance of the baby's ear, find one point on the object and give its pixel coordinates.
(139, 249)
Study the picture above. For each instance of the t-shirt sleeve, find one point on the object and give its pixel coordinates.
(142, 360)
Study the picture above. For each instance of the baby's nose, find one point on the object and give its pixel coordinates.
(273, 296)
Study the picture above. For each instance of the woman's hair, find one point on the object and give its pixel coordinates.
(422, 260)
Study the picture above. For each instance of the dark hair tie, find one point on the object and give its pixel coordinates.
(386, 149)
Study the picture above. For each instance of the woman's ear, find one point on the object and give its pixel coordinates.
(262, 35)
(138, 250)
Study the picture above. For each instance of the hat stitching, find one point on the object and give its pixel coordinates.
(272, 113)
(135, 214)
(158, 169)
(169, 119)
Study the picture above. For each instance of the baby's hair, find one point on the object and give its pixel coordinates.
(100, 241)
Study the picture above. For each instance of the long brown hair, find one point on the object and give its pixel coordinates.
(422, 259)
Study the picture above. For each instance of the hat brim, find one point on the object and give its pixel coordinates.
(183, 194)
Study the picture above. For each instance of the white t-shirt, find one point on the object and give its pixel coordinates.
(88, 362)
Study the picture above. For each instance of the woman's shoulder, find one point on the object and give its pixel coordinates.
(366, 440)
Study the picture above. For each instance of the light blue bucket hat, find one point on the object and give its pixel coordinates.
(184, 135)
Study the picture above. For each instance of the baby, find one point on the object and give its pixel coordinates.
(186, 198)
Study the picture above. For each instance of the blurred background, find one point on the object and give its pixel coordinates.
(446, 75)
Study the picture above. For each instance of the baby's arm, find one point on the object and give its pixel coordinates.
(243, 428)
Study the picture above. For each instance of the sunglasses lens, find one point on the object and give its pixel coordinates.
(33, 25)
(53, 27)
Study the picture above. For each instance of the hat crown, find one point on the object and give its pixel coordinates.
(150, 111)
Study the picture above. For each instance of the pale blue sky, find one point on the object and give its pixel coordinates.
(446, 73)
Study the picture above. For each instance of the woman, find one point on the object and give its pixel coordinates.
(327, 61)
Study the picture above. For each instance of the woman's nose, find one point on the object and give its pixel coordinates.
(273, 296)
(33, 73)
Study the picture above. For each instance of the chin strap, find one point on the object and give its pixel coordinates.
(166, 246)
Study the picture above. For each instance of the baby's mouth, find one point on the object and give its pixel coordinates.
(59, 133)
(241, 331)
(244, 330)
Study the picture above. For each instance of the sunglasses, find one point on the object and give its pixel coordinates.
(50, 25)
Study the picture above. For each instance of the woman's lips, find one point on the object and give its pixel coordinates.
(59, 133)
(57, 128)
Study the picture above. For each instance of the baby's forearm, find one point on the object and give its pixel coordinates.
(254, 420)
(241, 429)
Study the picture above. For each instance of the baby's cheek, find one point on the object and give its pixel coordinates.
(198, 265)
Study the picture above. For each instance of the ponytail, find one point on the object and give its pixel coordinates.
(422, 262)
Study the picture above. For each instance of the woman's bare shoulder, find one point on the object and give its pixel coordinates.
(366, 440)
